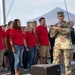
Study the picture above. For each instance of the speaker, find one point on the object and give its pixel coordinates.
(46, 69)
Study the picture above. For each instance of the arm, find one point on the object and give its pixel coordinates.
(53, 32)
(25, 44)
(37, 40)
(12, 44)
(64, 30)
(4, 41)
(12, 35)
(6, 46)
(37, 34)
(25, 41)
(49, 45)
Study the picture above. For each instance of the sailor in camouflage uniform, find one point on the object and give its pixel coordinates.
(62, 33)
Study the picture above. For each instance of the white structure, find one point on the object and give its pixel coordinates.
(51, 17)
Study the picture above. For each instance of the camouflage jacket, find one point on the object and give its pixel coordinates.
(62, 36)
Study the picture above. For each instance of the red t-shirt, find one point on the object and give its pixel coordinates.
(17, 36)
(42, 33)
(7, 35)
(1, 38)
(30, 37)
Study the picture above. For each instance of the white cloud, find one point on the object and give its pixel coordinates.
(35, 8)
(35, 15)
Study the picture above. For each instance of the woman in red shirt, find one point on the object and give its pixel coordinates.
(17, 43)
(25, 53)
(30, 38)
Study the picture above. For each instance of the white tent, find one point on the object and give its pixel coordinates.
(51, 17)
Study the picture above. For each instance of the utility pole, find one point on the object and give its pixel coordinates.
(4, 13)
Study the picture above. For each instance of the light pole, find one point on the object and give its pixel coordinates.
(4, 13)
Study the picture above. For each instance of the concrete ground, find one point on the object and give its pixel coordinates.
(24, 72)
(28, 72)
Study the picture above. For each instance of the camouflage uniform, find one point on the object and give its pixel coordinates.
(62, 44)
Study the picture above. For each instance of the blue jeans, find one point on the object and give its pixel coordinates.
(11, 59)
(18, 56)
(32, 56)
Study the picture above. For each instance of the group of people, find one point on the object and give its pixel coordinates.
(23, 46)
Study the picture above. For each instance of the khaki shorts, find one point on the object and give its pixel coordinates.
(1, 56)
(44, 51)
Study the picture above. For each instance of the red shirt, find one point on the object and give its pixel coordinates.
(30, 37)
(42, 33)
(7, 35)
(1, 38)
(17, 36)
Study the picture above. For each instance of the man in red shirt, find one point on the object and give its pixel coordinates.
(1, 45)
(8, 46)
(43, 40)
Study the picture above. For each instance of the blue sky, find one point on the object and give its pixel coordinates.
(26, 10)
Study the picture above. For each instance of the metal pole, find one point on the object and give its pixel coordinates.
(66, 10)
(4, 13)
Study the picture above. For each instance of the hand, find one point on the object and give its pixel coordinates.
(49, 47)
(51, 27)
(59, 25)
(39, 45)
(13, 50)
(27, 49)
(54, 28)
(6, 48)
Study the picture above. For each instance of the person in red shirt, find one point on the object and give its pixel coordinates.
(35, 26)
(30, 38)
(17, 43)
(25, 53)
(2, 48)
(43, 40)
(8, 46)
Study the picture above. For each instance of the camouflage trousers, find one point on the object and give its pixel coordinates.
(67, 59)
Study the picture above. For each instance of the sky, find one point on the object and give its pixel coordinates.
(26, 10)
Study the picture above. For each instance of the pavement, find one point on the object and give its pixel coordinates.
(28, 72)
(22, 72)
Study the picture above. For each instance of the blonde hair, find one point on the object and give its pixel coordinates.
(28, 24)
